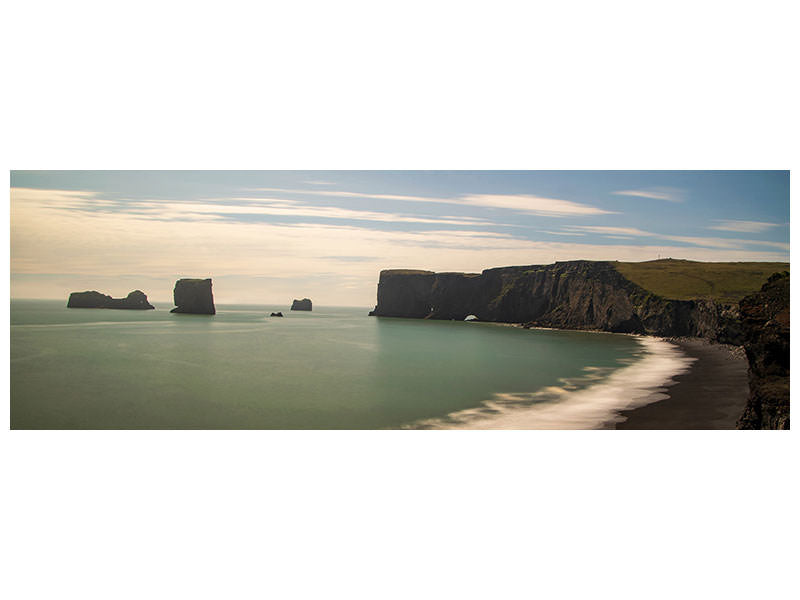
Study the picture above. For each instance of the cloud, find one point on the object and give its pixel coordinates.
(345, 194)
(670, 195)
(77, 199)
(744, 226)
(522, 203)
(536, 205)
(627, 231)
(570, 233)
(69, 241)
(351, 258)
(226, 208)
(724, 242)
(292, 208)
(706, 242)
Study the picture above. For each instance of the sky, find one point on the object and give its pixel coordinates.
(266, 237)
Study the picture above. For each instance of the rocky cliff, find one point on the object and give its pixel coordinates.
(765, 323)
(565, 295)
(136, 300)
(304, 304)
(193, 296)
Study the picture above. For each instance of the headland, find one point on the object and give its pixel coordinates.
(703, 304)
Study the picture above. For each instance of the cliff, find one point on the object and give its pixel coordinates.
(304, 304)
(136, 300)
(565, 295)
(193, 296)
(765, 322)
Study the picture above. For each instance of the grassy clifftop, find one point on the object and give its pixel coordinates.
(687, 280)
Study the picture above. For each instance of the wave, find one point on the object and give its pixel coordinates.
(592, 401)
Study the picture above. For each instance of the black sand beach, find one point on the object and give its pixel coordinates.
(711, 395)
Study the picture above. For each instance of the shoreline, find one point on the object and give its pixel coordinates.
(594, 400)
(679, 384)
(711, 394)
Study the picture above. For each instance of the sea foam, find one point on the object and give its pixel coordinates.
(592, 401)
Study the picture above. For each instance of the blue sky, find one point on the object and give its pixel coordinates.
(269, 236)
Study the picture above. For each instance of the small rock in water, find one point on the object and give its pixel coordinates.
(276, 314)
(304, 304)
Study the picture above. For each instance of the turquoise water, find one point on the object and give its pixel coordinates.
(333, 368)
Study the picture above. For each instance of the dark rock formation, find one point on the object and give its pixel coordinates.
(765, 321)
(193, 296)
(304, 304)
(566, 295)
(136, 300)
(276, 314)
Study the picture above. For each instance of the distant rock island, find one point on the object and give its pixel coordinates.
(136, 300)
(193, 296)
(276, 314)
(304, 304)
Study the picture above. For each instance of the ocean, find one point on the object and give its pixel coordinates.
(332, 368)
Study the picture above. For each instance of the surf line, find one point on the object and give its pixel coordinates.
(592, 401)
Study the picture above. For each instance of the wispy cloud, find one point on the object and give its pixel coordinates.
(570, 233)
(61, 199)
(536, 205)
(291, 208)
(627, 231)
(715, 242)
(224, 208)
(521, 203)
(346, 194)
(351, 258)
(704, 242)
(670, 195)
(743, 226)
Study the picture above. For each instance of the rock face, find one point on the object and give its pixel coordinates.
(193, 296)
(564, 295)
(304, 304)
(136, 300)
(765, 321)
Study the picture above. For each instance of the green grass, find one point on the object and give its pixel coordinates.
(405, 272)
(687, 280)
(419, 272)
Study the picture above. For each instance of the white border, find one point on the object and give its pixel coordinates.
(399, 514)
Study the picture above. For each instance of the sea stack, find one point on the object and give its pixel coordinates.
(304, 304)
(193, 296)
(136, 300)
